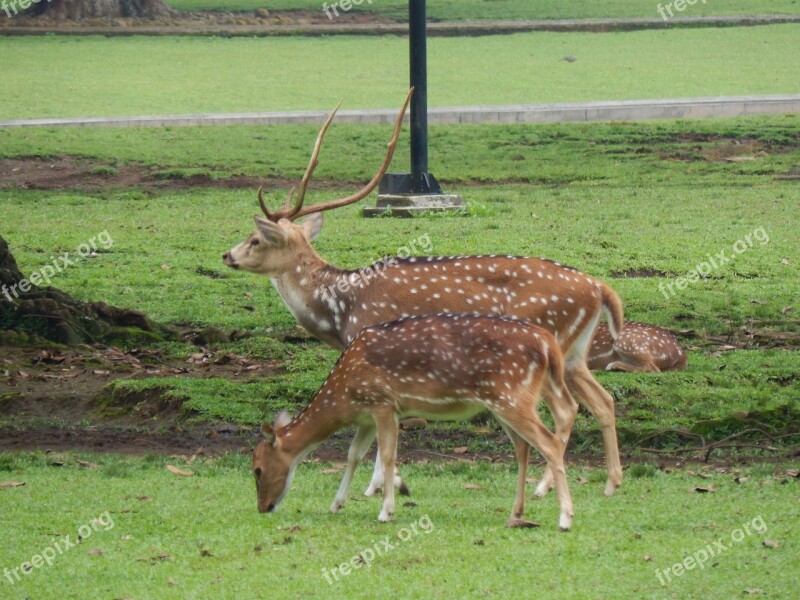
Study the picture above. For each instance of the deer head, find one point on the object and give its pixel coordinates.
(273, 466)
(273, 247)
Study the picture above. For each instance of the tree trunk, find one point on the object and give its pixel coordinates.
(77, 10)
(55, 316)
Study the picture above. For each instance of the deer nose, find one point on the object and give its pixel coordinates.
(225, 256)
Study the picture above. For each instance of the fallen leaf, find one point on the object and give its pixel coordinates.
(126, 537)
(793, 473)
(705, 475)
(12, 484)
(648, 558)
(582, 480)
(786, 309)
(705, 490)
(171, 582)
(95, 552)
(753, 591)
(785, 261)
(165, 267)
(144, 498)
(176, 471)
(23, 374)
(472, 486)
(410, 504)
(460, 450)
(757, 301)
(331, 471)
(531, 480)
(101, 372)
(770, 544)
(740, 479)
(86, 464)
(205, 552)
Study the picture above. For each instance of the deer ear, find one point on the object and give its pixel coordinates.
(271, 232)
(312, 225)
(268, 432)
(282, 420)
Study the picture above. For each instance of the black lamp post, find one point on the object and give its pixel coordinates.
(419, 181)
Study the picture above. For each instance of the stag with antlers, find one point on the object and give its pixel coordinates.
(561, 299)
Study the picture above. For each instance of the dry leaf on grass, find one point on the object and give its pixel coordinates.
(460, 450)
(12, 484)
(472, 486)
(176, 471)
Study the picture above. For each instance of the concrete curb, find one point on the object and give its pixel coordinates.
(622, 110)
(442, 28)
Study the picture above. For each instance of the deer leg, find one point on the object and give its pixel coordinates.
(564, 409)
(632, 366)
(522, 451)
(388, 428)
(376, 483)
(527, 425)
(358, 448)
(599, 402)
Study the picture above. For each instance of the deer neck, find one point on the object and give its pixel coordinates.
(304, 288)
(314, 425)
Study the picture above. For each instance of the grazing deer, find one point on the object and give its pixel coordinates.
(561, 299)
(438, 367)
(639, 347)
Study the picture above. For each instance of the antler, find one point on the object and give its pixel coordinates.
(298, 211)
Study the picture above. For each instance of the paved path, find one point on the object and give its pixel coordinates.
(442, 28)
(625, 110)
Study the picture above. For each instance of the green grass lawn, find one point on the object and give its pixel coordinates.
(605, 198)
(454, 10)
(93, 76)
(161, 536)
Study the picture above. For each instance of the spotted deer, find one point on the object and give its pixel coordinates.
(639, 347)
(561, 299)
(438, 367)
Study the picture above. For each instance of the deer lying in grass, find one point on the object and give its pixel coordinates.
(639, 347)
(438, 367)
(561, 299)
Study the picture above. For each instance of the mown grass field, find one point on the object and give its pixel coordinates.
(637, 204)
(131, 76)
(162, 536)
(615, 200)
(453, 10)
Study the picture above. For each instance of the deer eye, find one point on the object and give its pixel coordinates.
(255, 242)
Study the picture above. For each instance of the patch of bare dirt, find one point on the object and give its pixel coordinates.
(209, 19)
(72, 173)
(56, 386)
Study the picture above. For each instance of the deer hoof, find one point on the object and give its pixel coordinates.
(521, 524)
